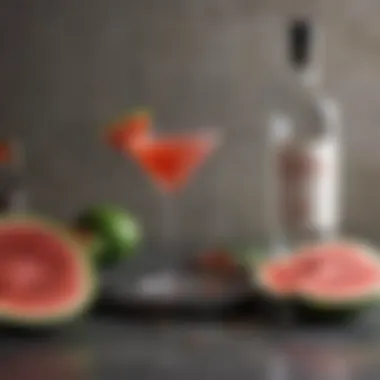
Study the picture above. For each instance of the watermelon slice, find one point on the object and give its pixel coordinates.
(45, 278)
(335, 276)
(344, 273)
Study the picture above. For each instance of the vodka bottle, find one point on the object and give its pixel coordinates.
(304, 149)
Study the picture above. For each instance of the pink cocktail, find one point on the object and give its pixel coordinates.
(171, 161)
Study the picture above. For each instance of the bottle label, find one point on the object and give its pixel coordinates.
(324, 186)
(308, 185)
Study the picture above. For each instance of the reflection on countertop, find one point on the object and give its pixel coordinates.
(109, 349)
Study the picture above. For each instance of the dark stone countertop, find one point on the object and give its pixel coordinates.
(106, 348)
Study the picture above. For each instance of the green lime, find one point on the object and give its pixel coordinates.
(116, 233)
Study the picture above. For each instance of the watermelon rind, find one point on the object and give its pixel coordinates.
(87, 295)
(310, 308)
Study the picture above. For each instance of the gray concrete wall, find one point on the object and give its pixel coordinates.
(68, 66)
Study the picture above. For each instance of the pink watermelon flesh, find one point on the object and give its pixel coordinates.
(345, 271)
(330, 271)
(278, 277)
(283, 276)
(40, 274)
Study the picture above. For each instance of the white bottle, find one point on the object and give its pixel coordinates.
(303, 193)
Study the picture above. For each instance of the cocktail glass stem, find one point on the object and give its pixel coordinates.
(278, 367)
(169, 223)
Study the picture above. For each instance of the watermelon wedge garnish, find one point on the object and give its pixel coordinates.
(134, 126)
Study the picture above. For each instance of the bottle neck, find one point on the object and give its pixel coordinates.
(310, 77)
(310, 71)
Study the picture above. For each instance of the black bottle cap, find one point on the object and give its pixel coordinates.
(299, 42)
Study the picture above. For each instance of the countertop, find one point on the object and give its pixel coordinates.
(107, 346)
(103, 347)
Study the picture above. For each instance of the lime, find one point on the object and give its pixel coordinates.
(116, 233)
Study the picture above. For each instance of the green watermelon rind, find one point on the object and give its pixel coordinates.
(67, 313)
(317, 309)
(359, 302)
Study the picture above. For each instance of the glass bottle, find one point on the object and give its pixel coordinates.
(303, 193)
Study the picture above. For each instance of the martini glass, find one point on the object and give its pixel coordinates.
(171, 161)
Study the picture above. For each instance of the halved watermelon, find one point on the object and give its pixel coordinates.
(332, 277)
(345, 274)
(45, 278)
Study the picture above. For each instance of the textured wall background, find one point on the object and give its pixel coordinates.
(68, 66)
